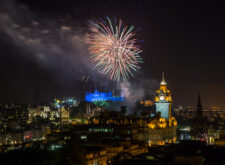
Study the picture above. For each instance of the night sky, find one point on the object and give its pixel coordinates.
(41, 45)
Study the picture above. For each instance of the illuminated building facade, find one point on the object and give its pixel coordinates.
(147, 103)
(16, 113)
(11, 139)
(37, 111)
(96, 156)
(67, 102)
(39, 134)
(154, 130)
(104, 96)
(163, 100)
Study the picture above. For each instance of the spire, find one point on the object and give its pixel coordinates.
(163, 82)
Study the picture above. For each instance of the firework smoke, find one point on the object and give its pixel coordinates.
(133, 92)
(54, 44)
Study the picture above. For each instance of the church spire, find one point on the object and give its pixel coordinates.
(163, 82)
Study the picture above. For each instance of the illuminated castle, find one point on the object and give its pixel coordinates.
(97, 97)
(163, 100)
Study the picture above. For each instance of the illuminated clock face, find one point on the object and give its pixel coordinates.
(161, 97)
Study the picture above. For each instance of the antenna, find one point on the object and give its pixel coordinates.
(163, 82)
(163, 78)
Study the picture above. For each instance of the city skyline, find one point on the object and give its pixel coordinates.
(100, 82)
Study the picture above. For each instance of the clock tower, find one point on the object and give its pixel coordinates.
(163, 100)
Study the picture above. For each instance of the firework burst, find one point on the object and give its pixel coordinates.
(114, 49)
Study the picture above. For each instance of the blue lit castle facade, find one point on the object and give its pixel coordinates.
(101, 96)
(163, 100)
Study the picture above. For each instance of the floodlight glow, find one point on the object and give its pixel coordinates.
(104, 96)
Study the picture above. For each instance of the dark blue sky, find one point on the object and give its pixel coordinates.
(184, 39)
